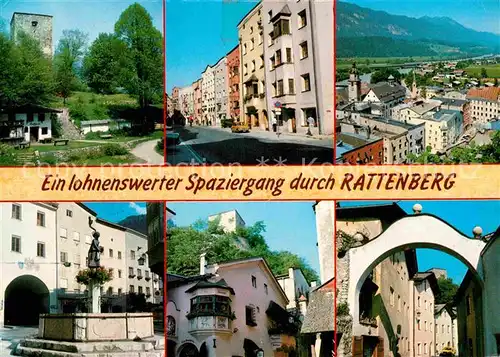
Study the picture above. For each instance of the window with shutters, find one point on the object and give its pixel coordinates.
(250, 316)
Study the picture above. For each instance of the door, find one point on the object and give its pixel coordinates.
(34, 133)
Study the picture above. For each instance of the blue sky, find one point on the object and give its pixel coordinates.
(199, 33)
(89, 16)
(116, 211)
(480, 15)
(292, 225)
(463, 215)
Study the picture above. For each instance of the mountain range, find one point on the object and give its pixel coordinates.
(387, 35)
(137, 223)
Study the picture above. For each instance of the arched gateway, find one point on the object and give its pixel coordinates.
(26, 297)
(418, 231)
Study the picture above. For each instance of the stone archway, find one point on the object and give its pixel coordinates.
(188, 350)
(419, 231)
(251, 348)
(26, 297)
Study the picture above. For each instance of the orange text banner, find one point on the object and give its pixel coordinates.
(156, 183)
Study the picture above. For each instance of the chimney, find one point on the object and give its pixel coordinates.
(203, 263)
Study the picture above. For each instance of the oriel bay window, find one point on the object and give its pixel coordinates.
(281, 27)
(210, 305)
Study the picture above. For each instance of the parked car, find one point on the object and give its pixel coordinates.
(447, 351)
(172, 137)
(240, 128)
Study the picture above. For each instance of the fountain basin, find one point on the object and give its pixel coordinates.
(89, 327)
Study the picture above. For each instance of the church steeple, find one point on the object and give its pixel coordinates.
(414, 89)
(354, 87)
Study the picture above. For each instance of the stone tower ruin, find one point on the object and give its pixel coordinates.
(35, 25)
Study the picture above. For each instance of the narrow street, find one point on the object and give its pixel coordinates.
(201, 144)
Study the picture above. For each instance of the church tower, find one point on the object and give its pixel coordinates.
(354, 87)
(414, 89)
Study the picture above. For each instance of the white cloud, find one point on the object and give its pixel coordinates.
(138, 209)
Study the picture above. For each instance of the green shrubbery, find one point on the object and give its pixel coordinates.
(113, 150)
(7, 155)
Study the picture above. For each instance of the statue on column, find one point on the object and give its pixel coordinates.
(94, 254)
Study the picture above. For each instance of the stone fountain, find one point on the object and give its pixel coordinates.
(94, 334)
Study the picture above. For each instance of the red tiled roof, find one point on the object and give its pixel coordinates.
(490, 93)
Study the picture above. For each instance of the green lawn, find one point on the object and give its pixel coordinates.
(157, 134)
(106, 160)
(96, 161)
(51, 147)
(493, 70)
(117, 138)
(92, 98)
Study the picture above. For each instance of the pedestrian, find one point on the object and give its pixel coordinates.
(275, 123)
(310, 122)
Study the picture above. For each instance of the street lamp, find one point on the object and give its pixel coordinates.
(142, 258)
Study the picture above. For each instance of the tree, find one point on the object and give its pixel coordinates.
(383, 74)
(426, 157)
(144, 42)
(484, 74)
(106, 65)
(67, 61)
(185, 245)
(8, 71)
(447, 290)
(26, 75)
(485, 154)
